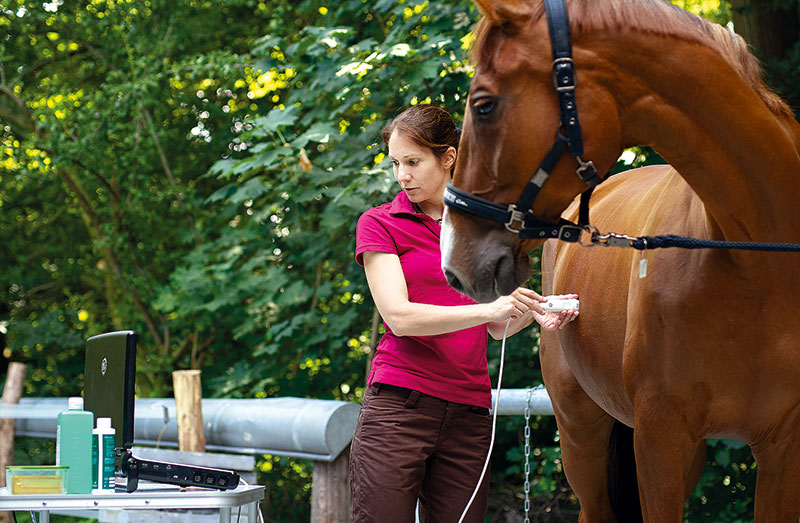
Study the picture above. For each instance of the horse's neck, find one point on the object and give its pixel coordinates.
(741, 159)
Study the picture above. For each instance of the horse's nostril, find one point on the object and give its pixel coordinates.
(453, 280)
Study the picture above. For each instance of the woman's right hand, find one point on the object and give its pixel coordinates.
(515, 305)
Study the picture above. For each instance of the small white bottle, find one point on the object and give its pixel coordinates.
(103, 457)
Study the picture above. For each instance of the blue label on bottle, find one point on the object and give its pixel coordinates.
(95, 459)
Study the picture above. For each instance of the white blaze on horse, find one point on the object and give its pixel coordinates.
(707, 345)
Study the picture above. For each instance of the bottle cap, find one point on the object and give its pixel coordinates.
(75, 403)
(103, 423)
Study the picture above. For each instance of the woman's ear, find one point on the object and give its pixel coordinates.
(449, 158)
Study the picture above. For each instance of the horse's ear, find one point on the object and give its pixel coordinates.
(505, 13)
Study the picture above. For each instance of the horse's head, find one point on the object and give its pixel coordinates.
(513, 115)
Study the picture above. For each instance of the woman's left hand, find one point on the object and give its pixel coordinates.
(552, 320)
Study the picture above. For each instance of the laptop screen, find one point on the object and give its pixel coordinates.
(109, 378)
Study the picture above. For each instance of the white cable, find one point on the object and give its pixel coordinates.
(259, 515)
(494, 424)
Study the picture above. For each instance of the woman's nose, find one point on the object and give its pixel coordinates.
(402, 174)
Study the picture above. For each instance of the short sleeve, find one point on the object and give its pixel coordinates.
(372, 235)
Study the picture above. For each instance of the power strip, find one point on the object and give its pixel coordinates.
(177, 474)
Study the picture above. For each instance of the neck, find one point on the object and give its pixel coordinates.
(741, 158)
(432, 209)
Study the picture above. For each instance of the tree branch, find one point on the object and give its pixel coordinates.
(157, 142)
(92, 222)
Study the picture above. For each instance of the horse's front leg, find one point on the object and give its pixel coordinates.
(778, 480)
(584, 430)
(670, 455)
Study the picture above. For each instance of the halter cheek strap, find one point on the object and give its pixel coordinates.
(518, 217)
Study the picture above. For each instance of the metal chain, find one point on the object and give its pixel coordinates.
(526, 487)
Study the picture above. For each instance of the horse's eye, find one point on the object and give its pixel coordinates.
(484, 106)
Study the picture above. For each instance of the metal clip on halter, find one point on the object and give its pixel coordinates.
(612, 240)
(515, 216)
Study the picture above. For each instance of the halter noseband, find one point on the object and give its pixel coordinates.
(518, 217)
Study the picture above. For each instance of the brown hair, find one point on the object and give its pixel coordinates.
(426, 125)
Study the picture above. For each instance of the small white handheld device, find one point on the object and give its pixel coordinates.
(557, 303)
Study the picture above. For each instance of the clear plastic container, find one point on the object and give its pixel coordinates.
(40, 479)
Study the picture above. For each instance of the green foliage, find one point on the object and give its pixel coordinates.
(288, 482)
(726, 490)
(784, 76)
(108, 111)
(279, 271)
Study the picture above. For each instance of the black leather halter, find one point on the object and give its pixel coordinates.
(518, 217)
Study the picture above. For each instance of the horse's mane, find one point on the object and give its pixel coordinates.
(649, 16)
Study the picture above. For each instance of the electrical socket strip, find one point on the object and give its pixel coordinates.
(178, 474)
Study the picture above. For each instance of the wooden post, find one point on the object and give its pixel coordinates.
(331, 501)
(11, 394)
(188, 401)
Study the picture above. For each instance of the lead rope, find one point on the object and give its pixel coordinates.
(643, 243)
(494, 424)
(526, 486)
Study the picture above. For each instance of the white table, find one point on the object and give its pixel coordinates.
(147, 496)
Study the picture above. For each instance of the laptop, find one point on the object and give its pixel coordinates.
(109, 380)
(108, 392)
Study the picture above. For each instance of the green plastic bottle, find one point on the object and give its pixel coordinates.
(74, 446)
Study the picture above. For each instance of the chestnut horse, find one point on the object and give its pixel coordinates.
(707, 344)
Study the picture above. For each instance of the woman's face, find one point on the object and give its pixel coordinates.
(419, 172)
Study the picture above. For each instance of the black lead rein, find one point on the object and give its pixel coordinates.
(643, 243)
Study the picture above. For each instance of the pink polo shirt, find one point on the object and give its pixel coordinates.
(449, 366)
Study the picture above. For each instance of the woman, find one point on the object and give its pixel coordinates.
(424, 428)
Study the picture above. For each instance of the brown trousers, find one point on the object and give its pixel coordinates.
(409, 446)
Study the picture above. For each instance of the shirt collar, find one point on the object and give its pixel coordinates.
(402, 205)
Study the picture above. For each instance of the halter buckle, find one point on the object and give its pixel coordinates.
(564, 74)
(516, 216)
(587, 172)
(570, 233)
(585, 166)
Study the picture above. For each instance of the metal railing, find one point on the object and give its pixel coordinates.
(298, 427)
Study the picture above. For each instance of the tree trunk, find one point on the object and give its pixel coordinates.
(11, 394)
(771, 31)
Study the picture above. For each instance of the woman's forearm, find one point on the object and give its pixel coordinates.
(497, 329)
(422, 319)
